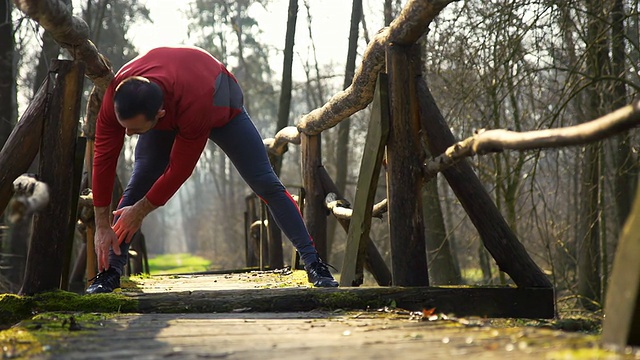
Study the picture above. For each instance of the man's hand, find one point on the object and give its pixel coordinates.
(105, 238)
(129, 219)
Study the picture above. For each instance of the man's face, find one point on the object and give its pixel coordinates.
(139, 124)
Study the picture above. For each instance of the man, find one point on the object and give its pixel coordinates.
(176, 99)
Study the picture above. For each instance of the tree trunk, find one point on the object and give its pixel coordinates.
(8, 116)
(443, 269)
(589, 254)
(626, 165)
(50, 51)
(8, 110)
(342, 144)
(276, 259)
(388, 12)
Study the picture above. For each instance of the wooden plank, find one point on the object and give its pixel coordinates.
(404, 176)
(315, 215)
(492, 302)
(351, 273)
(373, 261)
(50, 228)
(622, 305)
(76, 179)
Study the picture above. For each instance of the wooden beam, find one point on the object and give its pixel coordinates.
(404, 176)
(373, 261)
(492, 302)
(621, 326)
(351, 272)
(22, 146)
(76, 179)
(50, 229)
(497, 237)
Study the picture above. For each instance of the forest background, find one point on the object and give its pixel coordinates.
(520, 64)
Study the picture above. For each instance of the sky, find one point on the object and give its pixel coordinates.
(330, 27)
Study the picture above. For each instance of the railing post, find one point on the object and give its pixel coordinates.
(404, 176)
(315, 215)
(50, 228)
(621, 326)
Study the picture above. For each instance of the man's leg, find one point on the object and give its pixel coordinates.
(242, 143)
(151, 160)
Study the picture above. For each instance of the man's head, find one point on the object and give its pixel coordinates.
(138, 104)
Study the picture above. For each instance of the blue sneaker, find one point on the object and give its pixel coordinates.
(104, 282)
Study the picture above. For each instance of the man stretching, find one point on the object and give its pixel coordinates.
(176, 99)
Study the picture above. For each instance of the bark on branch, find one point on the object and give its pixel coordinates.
(341, 208)
(72, 33)
(490, 141)
(30, 196)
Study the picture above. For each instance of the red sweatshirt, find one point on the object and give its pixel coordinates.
(188, 77)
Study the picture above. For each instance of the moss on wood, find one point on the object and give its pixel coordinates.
(14, 308)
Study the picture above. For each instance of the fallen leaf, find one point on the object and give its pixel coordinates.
(428, 312)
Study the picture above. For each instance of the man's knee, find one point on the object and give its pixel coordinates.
(268, 185)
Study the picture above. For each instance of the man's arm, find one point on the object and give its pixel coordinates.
(108, 143)
(182, 160)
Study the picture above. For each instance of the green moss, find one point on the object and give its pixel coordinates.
(67, 301)
(46, 331)
(57, 314)
(14, 308)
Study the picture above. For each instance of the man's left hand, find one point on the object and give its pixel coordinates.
(129, 219)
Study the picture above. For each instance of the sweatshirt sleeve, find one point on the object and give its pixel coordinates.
(108, 144)
(182, 160)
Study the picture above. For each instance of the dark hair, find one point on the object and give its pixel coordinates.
(137, 95)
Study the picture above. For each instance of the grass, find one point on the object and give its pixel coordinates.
(177, 263)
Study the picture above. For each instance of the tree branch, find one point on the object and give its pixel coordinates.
(491, 141)
(72, 33)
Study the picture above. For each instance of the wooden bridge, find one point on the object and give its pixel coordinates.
(405, 120)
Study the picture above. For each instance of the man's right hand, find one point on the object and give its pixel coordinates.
(105, 238)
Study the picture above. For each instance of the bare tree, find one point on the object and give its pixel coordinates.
(8, 110)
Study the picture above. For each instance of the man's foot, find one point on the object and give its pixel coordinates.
(104, 282)
(319, 275)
